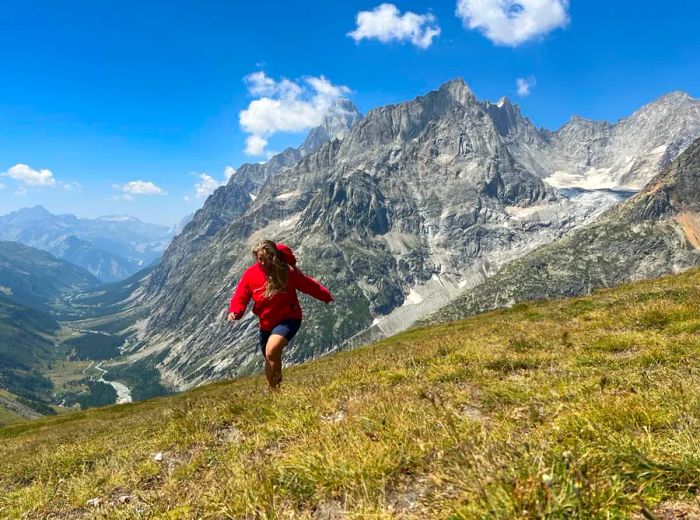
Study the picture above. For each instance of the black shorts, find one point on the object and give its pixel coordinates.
(286, 328)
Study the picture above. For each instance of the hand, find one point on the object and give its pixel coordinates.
(231, 316)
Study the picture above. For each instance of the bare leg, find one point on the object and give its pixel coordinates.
(273, 359)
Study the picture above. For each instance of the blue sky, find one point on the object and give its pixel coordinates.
(121, 107)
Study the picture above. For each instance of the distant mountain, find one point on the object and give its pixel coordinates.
(111, 247)
(180, 226)
(655, 232)
(38, 280)
(600, 155)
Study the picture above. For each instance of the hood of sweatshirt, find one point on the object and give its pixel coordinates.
(287, 254)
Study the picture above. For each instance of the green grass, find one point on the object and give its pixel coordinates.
(581, 408)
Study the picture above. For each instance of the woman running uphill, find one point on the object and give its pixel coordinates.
(272, 281)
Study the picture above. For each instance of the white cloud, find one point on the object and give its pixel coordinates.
(133, 188)
(525, 85)
(207, 184)
(28, 176)
(255, 145)
(284, 106)
(386, 24)
(259, 84)
(512, 22)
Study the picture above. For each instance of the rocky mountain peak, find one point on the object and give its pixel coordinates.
(341, 117)
(344, 105)
(34, 213)
(676, 95)
(458, 89)
(421, 198)
(508, 118)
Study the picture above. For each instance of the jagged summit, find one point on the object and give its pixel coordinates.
(33, 212)
(509, 120)
(345, 105)
(341, 117)
(577, 118)
(675, 95)
(457, 87)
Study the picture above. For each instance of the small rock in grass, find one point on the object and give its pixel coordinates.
(231, 435)
(158, 456)
(94, 502)
(125, 499)
(335, 418)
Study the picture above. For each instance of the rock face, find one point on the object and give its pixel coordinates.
(655, 232)
(110, 248)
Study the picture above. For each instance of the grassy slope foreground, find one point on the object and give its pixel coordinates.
(586, 408)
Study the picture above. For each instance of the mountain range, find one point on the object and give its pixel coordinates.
(111, 248)
(399, 213)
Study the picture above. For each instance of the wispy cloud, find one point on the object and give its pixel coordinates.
(137, 188)
(284, 106)
(512, 22)
(386, 24)
(71, 186)
(525, 85)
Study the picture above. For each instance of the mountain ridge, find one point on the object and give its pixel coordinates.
(110, 248)
(653, 233)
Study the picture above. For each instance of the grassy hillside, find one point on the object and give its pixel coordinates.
(26, 344)
(579, 408)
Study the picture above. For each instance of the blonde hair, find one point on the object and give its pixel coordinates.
(277, 271)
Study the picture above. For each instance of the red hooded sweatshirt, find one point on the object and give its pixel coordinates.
(283, 305)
